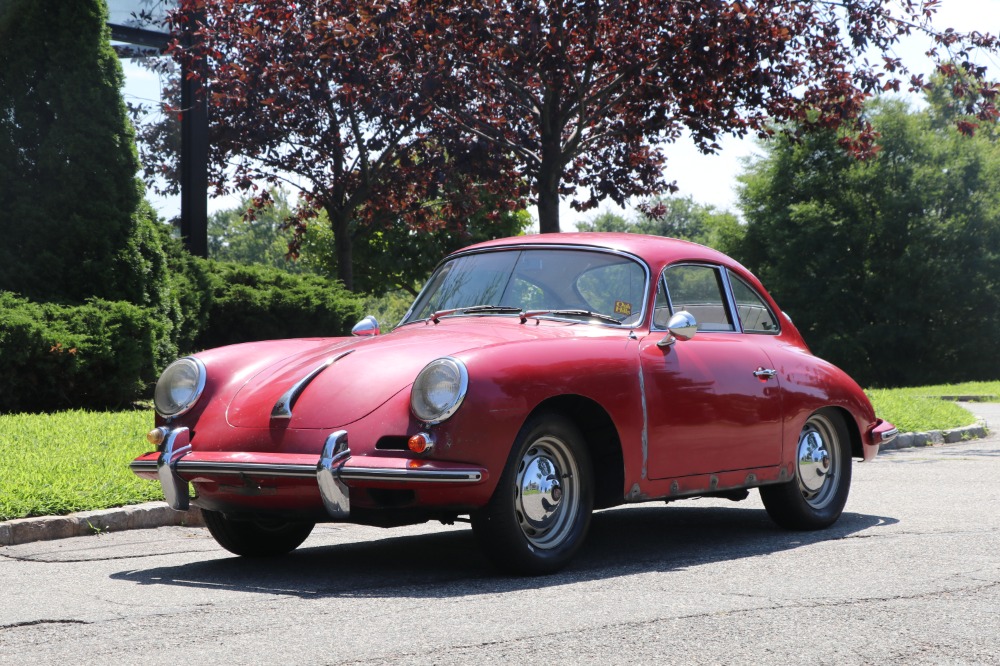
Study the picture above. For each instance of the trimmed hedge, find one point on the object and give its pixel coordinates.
(97, 355)
(257, 302)
(106, 354)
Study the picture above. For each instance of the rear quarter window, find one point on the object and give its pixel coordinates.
(753, 311)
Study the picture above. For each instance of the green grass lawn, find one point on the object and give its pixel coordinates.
(912, 413)
(920, 409)
(984, 391)
(53, 464)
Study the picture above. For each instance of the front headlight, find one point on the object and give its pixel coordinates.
(179, 387)
(439, 390)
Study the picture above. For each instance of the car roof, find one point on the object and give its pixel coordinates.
(655, 250)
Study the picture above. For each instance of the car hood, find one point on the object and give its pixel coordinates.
(354, 376)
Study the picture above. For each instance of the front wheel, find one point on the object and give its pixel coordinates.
(540, 511)
(255, 538)
(815, 498)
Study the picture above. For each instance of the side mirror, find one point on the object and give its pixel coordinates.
(366, 327)
(682, 326)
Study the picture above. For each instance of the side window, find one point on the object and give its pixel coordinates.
(754, 314)
(699, 290)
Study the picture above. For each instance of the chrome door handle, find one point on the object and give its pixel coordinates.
(764, 373)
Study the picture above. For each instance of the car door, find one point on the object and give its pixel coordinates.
(713, 403)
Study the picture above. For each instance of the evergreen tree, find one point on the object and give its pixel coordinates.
(890, 266)
(676, 217)
(73, 221)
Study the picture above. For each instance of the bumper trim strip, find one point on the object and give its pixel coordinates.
(427, 475)
(347, 473)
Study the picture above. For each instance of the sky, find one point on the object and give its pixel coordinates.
(708, 179)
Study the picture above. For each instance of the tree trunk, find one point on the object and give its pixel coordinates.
(340, 222)
(549, 177)
(548, 209)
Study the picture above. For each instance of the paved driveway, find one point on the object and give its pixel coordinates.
(910, 574)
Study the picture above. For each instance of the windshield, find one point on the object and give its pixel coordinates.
(555, 282)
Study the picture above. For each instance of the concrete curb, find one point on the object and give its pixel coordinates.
(908, 440)
(158, 514)
(84, 523)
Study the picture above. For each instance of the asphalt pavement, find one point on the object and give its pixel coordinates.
(158, 514)
(909, 574)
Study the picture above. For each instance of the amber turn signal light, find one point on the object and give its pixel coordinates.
(421, 443)
(156, 436)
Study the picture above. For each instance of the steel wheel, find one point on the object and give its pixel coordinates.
(816, 496)
(547, 492)
(540, 511)
(818, 462)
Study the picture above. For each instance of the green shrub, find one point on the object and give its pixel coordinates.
(191, 285)
(259, 302)
(99, 354)
(105, 354)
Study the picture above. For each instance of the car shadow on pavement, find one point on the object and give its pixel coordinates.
(442, 564)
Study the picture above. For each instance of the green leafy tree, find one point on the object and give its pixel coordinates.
(388, 255)
(607, 221)
(250, 235)
(889, 266)
(74, 222)
(676, 217)
(391, 256)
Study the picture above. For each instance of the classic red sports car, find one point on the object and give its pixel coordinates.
(533, 380)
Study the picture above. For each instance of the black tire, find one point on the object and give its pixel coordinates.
(816, 496)
(255, 538)
(538, 532)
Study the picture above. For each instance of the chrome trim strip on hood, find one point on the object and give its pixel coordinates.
(283, 408)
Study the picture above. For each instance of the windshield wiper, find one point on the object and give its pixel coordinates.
(569, 313)
(474, 309)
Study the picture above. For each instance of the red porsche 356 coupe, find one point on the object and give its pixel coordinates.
(533, 380)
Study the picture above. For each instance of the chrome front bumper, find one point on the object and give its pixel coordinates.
(175, 465)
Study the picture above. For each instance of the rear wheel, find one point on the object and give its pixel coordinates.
(256, 538)
(540, 511)
(815, 498)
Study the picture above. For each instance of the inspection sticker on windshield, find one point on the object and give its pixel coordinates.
(623, 308)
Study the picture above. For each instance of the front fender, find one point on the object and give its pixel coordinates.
(503, 393)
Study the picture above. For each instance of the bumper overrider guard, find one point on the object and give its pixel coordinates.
(333, 473)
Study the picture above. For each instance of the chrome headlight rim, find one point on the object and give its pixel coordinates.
(189, 402)
(419, 405)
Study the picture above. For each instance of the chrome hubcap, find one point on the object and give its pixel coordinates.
(818, 461)
(547, 495)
